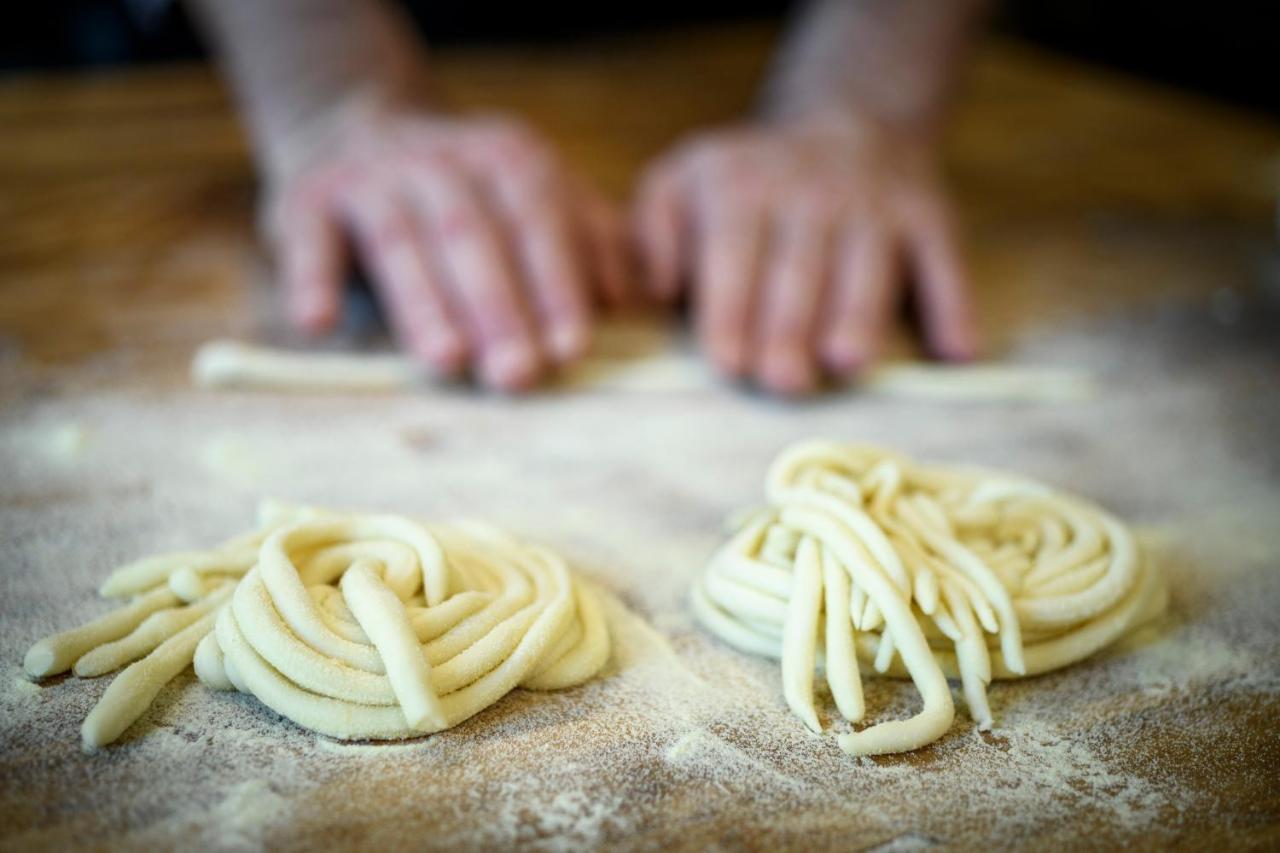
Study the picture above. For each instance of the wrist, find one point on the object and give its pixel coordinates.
(855, 127)
(845, 114)
(891, 64)
(286, 148)
(304, 69)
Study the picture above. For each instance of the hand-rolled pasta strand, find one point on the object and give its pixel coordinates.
(353, 625)
(925, 572)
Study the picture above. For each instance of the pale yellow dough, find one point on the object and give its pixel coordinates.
(926, 572)
(233, 364)
(354, 625)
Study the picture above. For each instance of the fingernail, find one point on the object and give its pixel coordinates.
(444, 352)
(789, 374)
(567, 342)
(729, 357)
(846, 358)
(510, 366)
(312, 317)
(958, 350)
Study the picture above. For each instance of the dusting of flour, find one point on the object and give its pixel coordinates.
(682, 743)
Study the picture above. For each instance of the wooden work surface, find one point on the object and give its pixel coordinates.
(1111, 225)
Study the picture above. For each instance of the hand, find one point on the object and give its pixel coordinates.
(483, 250)
(793, 239)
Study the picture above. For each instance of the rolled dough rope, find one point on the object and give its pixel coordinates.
(58, 653)
(144, 574)
(234, 364)
(926, 572)
(354, 625)
(154, 630)
(134, 689)
(973, 382)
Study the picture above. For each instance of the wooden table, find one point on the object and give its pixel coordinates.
(1111, 224)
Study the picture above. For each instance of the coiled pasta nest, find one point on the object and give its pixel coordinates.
(922, 571)
(354, 625)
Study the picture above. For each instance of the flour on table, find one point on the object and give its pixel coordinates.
(1158, 743)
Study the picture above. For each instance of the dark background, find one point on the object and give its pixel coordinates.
(1229, 49)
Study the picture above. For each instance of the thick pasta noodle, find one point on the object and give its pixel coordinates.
(921, 571)
(357, 626)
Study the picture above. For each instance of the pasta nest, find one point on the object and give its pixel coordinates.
(923, 571)
(354, 625)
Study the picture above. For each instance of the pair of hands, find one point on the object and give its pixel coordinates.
(489, 255)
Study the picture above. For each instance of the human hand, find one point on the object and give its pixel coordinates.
(794, 239)
(484, 251)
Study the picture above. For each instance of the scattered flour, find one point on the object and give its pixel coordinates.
(683, 743)
(240, 821)
(235, 460)
(22, 687)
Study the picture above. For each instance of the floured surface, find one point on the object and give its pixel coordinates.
(682, 742)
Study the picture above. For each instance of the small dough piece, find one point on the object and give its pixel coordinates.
(155, 630)
(354, 625)
(129, 696)
(981, 382)
(232, 364)
(57, 654)
(926, 572)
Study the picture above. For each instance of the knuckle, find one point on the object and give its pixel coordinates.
(729, 318)
(920, 207)
(432, 161)
(788, 329)
(515, 141)
(564, 304)
(499, 125)
(704, 155)
(457, 221)
(533, 196)
(786, 320)
(817, 202)
(739, 199)
(725, 164)
(299, 198)
(389, 231)
(497, 315)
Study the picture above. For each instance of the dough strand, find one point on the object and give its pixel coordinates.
(926, 572)
(354, 625)
(239, 365)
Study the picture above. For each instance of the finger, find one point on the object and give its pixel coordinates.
(481, 278)
(393, 249)
(862, 299)
(539, 227)
(310, 250)
(792, 291)
(604, 238)
(659, 221)
(941, 284)
(731, 236)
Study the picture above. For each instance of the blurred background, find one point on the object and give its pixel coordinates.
(1226, 50)
(1104, 157)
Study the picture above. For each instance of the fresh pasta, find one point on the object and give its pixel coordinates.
(357, 626)
(921, 571)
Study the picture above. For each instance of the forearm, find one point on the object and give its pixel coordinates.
(893, 61)
(294, 62)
